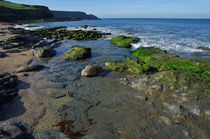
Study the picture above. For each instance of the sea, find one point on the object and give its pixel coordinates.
(183, 36)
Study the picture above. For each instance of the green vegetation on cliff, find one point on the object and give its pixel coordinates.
(16, 6)
(13, 12)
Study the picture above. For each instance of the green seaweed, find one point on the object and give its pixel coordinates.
(124, 41)
(129, 66)
(76, 53)
(171, 70)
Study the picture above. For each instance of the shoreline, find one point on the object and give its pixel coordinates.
(159, 93)
(28, 105)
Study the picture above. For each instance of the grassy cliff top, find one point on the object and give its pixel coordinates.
(16, 6)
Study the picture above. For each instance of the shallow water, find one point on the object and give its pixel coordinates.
(101, 105)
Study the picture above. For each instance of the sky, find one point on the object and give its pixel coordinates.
(130, 8)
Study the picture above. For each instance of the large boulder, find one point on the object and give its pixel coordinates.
(13, 129)
(44, 53)
(91, 70)
(77, 53)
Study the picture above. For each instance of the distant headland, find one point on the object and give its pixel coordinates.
(13, 12)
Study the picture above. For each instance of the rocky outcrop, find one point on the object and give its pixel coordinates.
(11, 12)
(91, 70)
(19, 43)
(7, 87)
(13, 129)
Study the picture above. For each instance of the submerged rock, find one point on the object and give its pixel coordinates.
(13, 129)
(91, 70)
(31, 68)
(77, 53)
(44, 53)
(124, 41)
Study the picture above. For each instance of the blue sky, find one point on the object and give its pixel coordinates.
(131, 8)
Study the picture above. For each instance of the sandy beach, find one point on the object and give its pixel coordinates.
(30, 106)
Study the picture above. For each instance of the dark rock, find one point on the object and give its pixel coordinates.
(20, 43)
(44, 53)
(32, 68)
(7, 87)
(7, 81)
(13, 129)
(3, 55)
(91, 70)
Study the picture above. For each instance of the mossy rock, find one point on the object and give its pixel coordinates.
(174, 71)
(188, 72)
(84, 26)
(62, 33)
(76, 53)
(129, 66)
(124, 41)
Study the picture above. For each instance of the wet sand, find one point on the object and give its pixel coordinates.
(29, 106)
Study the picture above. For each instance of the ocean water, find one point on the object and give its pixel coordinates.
(102, 105)
(179, 35)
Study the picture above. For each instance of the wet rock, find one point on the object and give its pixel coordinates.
(3, 55)
(166, 120)
(31, 68)
(91, 70)
(77, 53)
(124, 41)
(13, 129)
(7, 87)
(84, 26)
(51, 134)
(44, 53)
(20, 43)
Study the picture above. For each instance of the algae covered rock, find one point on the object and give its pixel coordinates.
(171, 71)
(62, 33)
(124, 41)
(129, 66)
(91, 70)
(77, 53)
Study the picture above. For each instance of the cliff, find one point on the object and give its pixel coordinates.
(11, 12)
(73, 14)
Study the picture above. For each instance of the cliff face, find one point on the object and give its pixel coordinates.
(13, 12)
(73, 14)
